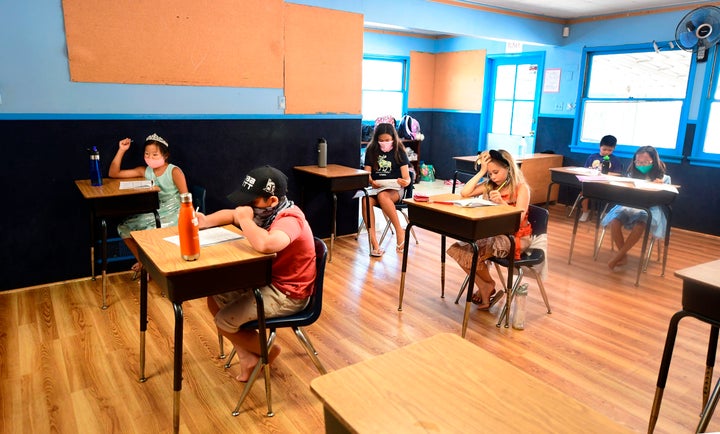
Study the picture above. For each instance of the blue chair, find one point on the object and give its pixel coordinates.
(304, 318)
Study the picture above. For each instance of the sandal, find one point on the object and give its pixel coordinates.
(377, 252)
(400, 247)
(477, 298)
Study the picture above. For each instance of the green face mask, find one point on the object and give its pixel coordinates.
(644, 169)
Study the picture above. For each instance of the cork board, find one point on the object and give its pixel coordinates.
(422, 80)
(178, 42)
(323, 60)
(459, 80)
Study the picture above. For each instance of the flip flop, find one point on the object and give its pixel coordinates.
(377, 252)
(477, 300)
(400, 247)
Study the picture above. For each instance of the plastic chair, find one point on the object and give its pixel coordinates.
(198, 195)
(399, 206)
(532, 257)
(295, 321)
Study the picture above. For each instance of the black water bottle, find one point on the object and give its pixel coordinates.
(605, 169)
(95, 174)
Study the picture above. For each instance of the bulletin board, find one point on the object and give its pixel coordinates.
(178, 42)
(323, 60)
(422, 80)
(459, 80)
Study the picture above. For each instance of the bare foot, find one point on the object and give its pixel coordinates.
(247, 366)
(618, 260)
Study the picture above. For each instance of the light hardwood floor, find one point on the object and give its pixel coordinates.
(67, 366)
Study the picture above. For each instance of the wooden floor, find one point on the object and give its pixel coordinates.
(67, 366)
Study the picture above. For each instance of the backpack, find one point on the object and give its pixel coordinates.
(367, 132)
(409, 128)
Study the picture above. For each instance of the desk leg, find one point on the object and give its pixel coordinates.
(404, 265)
(470, 288)
(572, 239)
(177, 365)
(103, 225)
(510, 293)
(92, 245)
(334, 226)
(143, 321)
(710, 363)
(643, 249)
(668, 218)
(443, 242)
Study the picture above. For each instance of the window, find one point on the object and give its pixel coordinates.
(384, 87)
(636, 94)
(706, 150)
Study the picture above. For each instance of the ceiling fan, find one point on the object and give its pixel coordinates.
(699, 30)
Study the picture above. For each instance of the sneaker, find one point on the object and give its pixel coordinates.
(585, 216)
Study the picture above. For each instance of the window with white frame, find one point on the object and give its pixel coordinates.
(383, 87)
(636, 94)
(708, 126)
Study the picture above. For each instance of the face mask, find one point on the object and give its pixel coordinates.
(155, 162)
(386, 146)
(644, 169)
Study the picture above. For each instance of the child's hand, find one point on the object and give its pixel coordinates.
(495, 196)
(125, 144)
(402, 182)
(202, 221)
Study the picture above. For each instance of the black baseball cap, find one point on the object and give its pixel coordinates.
(263, 181)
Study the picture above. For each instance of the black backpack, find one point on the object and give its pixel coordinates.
(409, 128)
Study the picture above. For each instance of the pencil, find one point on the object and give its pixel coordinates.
(503, 184)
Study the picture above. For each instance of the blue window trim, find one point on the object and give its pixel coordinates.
(674, 155)
(405, 80)
(698, 157)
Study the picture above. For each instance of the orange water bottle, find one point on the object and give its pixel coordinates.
(188, 229)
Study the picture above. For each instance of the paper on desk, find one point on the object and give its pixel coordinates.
(583, 170)
(648, 185)
(473, 202)
(590, 178)
(127, 185)
(210, 236)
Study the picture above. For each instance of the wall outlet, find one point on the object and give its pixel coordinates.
(281, 102)
(558, 107)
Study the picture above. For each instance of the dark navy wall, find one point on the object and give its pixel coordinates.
(448, 135)
(45, 226)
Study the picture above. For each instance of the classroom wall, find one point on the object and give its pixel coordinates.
(47, 119)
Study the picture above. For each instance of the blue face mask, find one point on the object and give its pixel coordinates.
(644, 169)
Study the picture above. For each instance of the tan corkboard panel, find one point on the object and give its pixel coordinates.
(178, 42)
(323, 60)
(459, 80)
(422, 80)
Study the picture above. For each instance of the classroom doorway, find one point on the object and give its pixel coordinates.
(512, 102)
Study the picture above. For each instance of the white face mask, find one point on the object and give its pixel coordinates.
(386, 146)
(155, 162)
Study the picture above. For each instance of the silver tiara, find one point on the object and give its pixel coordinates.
(155, 138)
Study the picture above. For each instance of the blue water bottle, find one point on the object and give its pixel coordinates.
(95, 174)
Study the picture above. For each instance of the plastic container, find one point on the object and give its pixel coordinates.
(605, 165)
(322, 152)
(188, 229)
(95, 173)
(519, 304)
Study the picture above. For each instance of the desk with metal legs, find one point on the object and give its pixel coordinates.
(628, 194)
(221, 268)
(335, 178)
(464, 224)
(108, 200)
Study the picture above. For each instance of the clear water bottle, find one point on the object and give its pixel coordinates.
(95, 173)
(322, 152)
(519, 304)
(188, 229)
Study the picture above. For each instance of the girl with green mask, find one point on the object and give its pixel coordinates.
(646, 165)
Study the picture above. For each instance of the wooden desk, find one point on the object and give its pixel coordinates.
(447, 384)
(465, 224)
(108, 200)
(700, 298)
(221, 268)
(335, 178)
(535, 168)
(628, 194)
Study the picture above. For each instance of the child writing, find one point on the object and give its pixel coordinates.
(387, 162)
(646, 165)
(272, 224)
(168, 177)
(506, 185)
(594, 161)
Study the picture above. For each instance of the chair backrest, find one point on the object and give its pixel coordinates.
(462, 176)
(314, 306)
(198, 196)
(538, 218)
